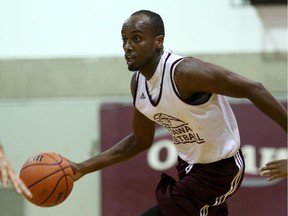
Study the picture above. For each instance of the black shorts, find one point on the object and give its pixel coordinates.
(202, 190)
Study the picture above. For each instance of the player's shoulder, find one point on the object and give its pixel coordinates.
(189, 65)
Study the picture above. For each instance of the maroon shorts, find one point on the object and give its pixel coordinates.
(203, 190)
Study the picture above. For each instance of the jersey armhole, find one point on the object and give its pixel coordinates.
(172, 69)
(136, 87)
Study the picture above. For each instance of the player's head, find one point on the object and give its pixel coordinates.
(157, 25)
(143, 36)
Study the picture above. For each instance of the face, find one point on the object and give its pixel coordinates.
(141, 47)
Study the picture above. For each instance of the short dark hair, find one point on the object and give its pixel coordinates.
(156, 21)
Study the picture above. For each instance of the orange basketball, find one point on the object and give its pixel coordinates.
(49, 178)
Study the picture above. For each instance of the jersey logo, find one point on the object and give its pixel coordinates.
(180, 130)
(142, 96)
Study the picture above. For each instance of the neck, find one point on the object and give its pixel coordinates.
(150, 70)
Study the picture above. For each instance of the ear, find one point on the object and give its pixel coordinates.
(159, 41)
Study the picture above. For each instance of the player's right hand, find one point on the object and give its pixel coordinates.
(76, 170)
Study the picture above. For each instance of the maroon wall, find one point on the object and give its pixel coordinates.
(128, 188)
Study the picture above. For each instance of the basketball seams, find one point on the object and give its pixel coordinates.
(54, 189)
(48, 164)
(64, 176)
(32, 165)
(51, 174)
(49, 155)
(62, 183)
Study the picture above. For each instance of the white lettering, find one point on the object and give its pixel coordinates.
(254, 157)
(266, 154)
(249, 153)
(269, 154)
(153, 155)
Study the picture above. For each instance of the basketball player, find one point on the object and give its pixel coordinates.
(186, 96)
(8, 175)
(276, 169)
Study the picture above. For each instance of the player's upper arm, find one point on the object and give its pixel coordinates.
(193, 75)
(143, 127)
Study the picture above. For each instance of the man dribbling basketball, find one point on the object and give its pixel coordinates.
(188, 95)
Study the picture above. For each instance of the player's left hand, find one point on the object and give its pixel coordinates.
(274, 170)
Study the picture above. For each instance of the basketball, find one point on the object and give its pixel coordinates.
(49, 177)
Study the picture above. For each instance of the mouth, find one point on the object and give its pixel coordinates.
(129, 59)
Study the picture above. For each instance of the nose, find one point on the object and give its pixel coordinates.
(127, 46)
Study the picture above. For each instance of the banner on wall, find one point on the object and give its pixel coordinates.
(128, 189)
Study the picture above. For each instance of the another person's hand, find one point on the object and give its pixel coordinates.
(274, 170)
(8, 175)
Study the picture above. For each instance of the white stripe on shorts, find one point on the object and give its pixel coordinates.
(234, 184)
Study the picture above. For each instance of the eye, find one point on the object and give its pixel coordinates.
(137, 39)
(124, 40)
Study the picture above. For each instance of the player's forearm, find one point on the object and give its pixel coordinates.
(99, 162)
(269, 105)
(122, 151)
(277, 113)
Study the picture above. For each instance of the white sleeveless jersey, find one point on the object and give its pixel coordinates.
(201, 133)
